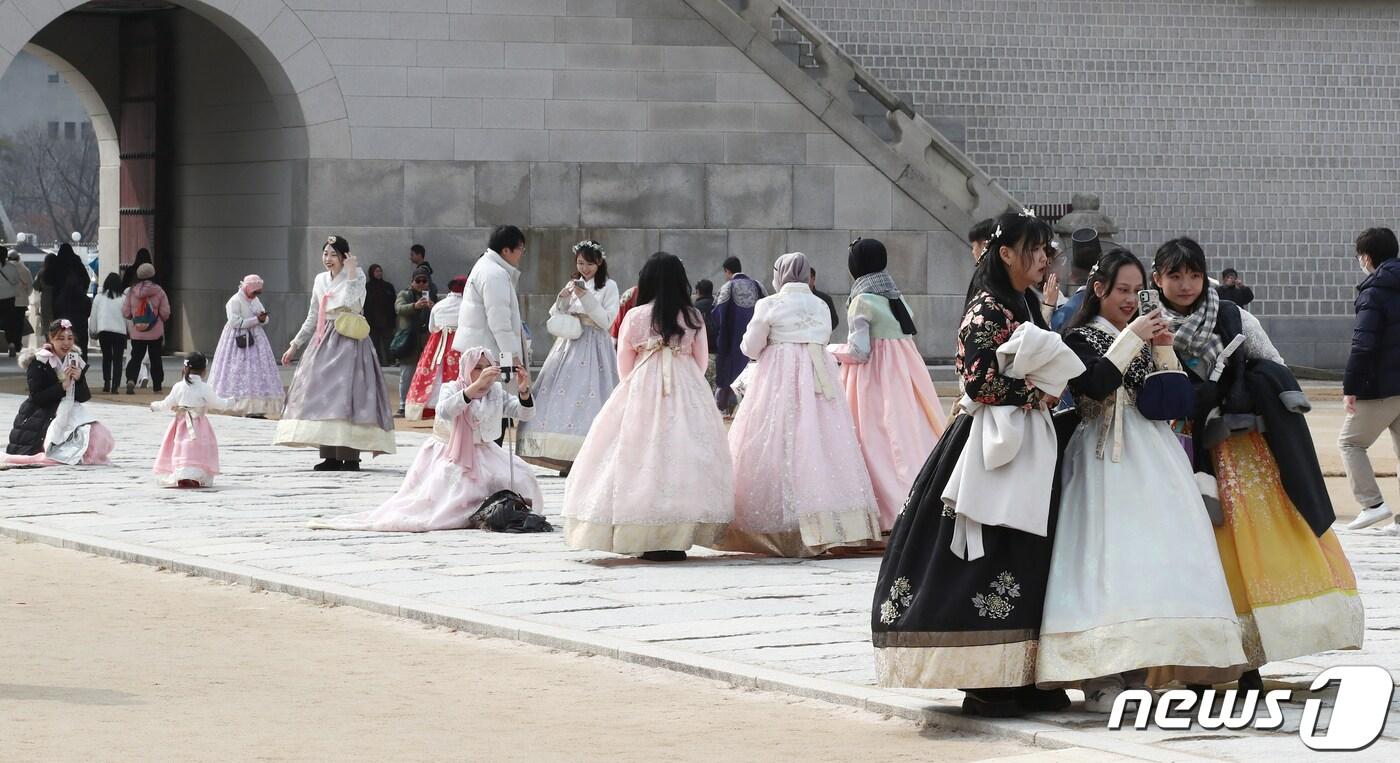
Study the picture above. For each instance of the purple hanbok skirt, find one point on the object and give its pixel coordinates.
(338, 399)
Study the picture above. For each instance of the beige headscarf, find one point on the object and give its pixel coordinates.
(790, 268)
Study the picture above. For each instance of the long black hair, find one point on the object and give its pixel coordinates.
(663, 285)
(592, 253)
(143, 256)
(1014, 230)
(112, 286)
(1105, 272)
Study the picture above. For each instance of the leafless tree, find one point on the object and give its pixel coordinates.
(50, 184)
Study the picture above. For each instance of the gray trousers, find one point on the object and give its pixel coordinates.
(1359, 432)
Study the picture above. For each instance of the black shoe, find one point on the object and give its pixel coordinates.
(131, 388)
(664, 556)
(349, 466)
(1251, 680)
(1035, 700)
(992, 703)
(329, 465)
(156, 389)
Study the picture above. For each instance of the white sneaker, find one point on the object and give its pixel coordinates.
(1370, 517)
(1101, 700)
(1392, 529)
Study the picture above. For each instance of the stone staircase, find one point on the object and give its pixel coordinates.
(850, 101)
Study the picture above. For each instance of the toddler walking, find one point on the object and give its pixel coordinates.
(189, 456)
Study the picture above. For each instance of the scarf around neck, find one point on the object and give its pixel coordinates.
(1195, 333)
(881, 283)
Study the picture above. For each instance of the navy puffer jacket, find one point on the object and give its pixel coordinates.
(1373, 370)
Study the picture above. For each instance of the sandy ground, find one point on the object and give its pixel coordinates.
(101, 660)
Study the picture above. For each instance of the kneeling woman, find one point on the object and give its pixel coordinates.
(461, 465)
(53, 426)
(959, 596)
(1135, 581)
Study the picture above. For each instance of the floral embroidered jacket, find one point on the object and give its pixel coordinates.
(987, 325)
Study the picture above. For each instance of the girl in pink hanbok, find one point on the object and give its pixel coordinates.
(801, 486)
(653, 476)
(897, 414)
(189, 455)
(461, 465)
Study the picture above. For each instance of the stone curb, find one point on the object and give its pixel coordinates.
(870, 699)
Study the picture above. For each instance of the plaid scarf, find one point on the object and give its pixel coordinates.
(1195, 333)
(880, 282)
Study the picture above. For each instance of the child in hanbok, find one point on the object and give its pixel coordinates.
(800, 482)
(653, 477)
(244, 370)
(461, 465)
(189, 454)
(897, 414)
(581, 371)
(1116, 606)
(439, 363)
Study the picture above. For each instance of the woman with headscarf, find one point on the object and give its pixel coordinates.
(581, 370)
(461, 465)
(800, 484)
(244, 370)
(338, 402)
(897, 413)
(439, 362)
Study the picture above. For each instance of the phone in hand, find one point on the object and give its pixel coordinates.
(507, 366)
(1148, 300)
(580, 283)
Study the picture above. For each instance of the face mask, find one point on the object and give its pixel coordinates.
(1365, 268)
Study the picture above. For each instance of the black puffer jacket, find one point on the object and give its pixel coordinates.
(38, 410)
(1373, 370)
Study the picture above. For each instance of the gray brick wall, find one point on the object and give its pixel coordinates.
(1266, 129)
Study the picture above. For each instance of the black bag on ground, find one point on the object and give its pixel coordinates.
(506, 511)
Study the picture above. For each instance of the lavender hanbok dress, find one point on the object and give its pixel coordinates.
(337, 399)
(247, 377)
(577, 378)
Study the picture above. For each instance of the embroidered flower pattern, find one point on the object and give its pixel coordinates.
(986, 326)
(901, 596)
(997, 605)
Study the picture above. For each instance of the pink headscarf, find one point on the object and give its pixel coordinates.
(461, 446)
(790, 268)
(251, 283)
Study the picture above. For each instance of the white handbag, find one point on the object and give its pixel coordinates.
(564, 326)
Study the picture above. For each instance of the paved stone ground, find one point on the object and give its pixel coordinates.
(808, 618)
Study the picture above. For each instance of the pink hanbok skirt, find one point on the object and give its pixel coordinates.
(184, 458)
(99, 449)
(898, 419)
(437, 494)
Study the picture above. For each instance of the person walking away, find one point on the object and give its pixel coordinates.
(801, 487)
(1233, 289)
(189, 454)
(143, 256)
(71, 301)
(705, 303)
(15, 286)
(412, 307)
(581, 370)
(244, 371)
(733, 310)
(460, 466)
(379, 311)
(654, 477)
(146, 309)
(439, 363)
(107, 323)
(1371, 385)
(823, 296)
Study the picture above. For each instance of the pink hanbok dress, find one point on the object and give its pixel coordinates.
(653, 473)
(457, 469)
(897, 413)
(801, 486)
(189, 451)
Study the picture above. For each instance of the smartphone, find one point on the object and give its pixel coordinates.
(1148, 300)
(579, 282)
(507, 365)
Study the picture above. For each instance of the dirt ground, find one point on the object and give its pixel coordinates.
(102, 660)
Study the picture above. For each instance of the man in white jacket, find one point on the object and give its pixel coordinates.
(490, 316)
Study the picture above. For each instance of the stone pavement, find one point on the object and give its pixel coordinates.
(800, 626)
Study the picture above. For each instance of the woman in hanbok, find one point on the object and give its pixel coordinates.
(439, 363)
(653, 477)
(337, 402)
(189, 454)
(461, 465)
(959, 597)
(1135, 581)
(800, 483)
(897, 414)
(1292, 588)
(53, 426)
(580, 373)
(244, 371)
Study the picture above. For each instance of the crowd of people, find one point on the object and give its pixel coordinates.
(1125, 493)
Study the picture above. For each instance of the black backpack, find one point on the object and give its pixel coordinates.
(506, 511)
